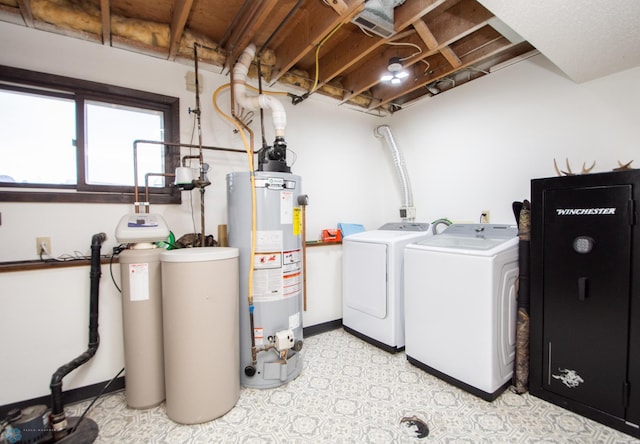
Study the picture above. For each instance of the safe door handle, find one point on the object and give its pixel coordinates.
(583, 288)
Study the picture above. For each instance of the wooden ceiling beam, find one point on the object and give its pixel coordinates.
(181, 11)
(367, 74)
(314, 25)
(455, 37)
(387, 95)
(407, 13)
(451, 56)
(429, 39)
(340, 6)
(425, 34)
(491, 48)
(475, 41)
(460, 20)
(25, 10)
(248, 28)
(359, 47)
(502, 56)
(105, 14)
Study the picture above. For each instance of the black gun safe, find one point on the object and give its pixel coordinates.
(585, 296)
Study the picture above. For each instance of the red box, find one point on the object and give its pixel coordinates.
(331, 235)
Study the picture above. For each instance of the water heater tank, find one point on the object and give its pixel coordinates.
(274, 356)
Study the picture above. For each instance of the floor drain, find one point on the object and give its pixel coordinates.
(421, 428)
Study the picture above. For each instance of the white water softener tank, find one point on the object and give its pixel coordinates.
(270, 328)
(142, 326)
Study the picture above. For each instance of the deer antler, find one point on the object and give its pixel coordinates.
(621, 167)
(587, 170)
(561, 173)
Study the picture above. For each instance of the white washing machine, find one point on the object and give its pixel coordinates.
(372, 283)
(460, 306)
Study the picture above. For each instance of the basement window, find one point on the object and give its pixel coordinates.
(70, 140)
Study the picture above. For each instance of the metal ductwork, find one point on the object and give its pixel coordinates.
(377, 17)
(407, 210)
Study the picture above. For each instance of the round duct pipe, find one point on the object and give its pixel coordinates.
(407, 210)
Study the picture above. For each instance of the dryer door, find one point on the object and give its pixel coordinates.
(365, 277)
(587, 266)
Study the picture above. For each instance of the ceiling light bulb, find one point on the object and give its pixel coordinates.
(394, 64)
(395, 74)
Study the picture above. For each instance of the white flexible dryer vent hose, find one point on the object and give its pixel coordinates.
(240, 70)
(407, 196)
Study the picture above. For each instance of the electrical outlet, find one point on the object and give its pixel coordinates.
(485, 217)
(43, 246)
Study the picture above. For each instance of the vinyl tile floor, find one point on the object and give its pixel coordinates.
(352, 392)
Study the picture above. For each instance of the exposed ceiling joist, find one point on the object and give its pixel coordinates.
(309, 44)
(181, 11)
(25, 10)
(105, 13)
(308, 31)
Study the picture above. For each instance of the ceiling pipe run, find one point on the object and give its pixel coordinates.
(407, 210)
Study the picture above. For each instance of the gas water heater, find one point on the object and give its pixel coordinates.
(271, 259)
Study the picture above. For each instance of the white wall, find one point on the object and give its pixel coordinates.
(478, 146)
(471, 149)
(47, 320)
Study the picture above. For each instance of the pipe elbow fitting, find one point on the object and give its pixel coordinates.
(240, 72)
(278, 114)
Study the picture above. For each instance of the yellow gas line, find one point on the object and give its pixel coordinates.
(253, 189)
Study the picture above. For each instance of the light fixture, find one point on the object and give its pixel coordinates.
(395, 74)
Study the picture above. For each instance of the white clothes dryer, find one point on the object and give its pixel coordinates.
(460, 306)
(372, 283)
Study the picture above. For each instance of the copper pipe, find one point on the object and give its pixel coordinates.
(304, 257)
(146, 184)
(156, 142)
(234, 23)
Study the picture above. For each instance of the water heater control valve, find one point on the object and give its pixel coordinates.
(284, 340)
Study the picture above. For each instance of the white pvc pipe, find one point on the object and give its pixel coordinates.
(407, 196)
(240, 71)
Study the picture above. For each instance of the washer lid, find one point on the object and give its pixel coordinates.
(406, 226)
(462, 243)
(386, 236)
(489, 231)
(476, 237)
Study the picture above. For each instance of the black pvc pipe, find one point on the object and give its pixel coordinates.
(57, 406)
